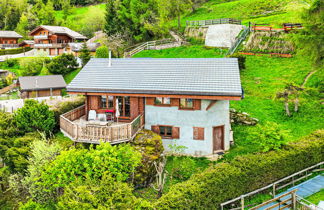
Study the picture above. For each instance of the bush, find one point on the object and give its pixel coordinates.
(9, 63)
(62, 64)
(14, 51)
(244, 174)
(102, 52)
(35, 116)
(241, 60)
(269, 136)
(32, 66)
(149, 144)
(7, 125)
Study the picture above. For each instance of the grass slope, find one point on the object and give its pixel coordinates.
(316, 198)
(259, 11)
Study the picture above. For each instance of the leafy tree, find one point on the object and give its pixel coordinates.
(269, 136)
(119, 161)
(35, 116)
(22, 26)
(311, 39)
(102, 52)
(7, 125)
(106, 193)
(46, 14)
(85, 54)
(32, 66)
(112, 26)
(62, 64)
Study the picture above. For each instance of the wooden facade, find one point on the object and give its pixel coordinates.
(40, 93)
(4, 40)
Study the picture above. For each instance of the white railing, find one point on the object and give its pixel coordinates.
(41, 37)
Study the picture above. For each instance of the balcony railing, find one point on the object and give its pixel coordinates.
(9, 45)
(41, 37)
(95, 133)
(50, 45)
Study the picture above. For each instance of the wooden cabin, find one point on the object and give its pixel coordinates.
(54, 39)
(9, 39)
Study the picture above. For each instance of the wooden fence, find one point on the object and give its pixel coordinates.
(8, 88)
(195, 23)
(274, 187)
(95, 133)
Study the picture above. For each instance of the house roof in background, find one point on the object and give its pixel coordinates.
(10, 34)
(30, 42)
(164, 76)
(61, 30)
(42, 82)
(76, 47)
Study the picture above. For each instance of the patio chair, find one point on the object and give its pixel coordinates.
(92, 115)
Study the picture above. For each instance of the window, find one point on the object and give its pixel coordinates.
(124, 106)
(162, 101)
(107, 102)
(186, 103)
(166, 131)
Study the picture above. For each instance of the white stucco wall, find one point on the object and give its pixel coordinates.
(216, 116)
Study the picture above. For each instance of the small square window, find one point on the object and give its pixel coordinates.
(162, 101)
(166, 131)
(186, 103)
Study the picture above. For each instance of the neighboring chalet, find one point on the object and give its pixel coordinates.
(186, 101)
(54, 39)
(9, 39)
(41, 86)
(75, 48)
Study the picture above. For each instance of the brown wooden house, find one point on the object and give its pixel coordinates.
(41, 86)
(186, 101)
(9, 39)
(54, 39)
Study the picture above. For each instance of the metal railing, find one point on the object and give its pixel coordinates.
(241, 37)
(284, 182)
(9, 45)
(95, 133)
(194, 23)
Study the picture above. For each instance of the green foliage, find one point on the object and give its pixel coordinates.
(316, 198)
(32, 66)
(241, 60)
(35, 116)
(85, 54)
(228, 180)
(269, 136)
(149, 144)
(102, 52)
(119, 161)
(105, 193)
(14, 51)
(7, 125)
(62, 64)
(10, 63)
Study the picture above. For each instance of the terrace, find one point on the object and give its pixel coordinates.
(75, 125)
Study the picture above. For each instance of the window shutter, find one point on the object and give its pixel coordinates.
(175, 102)
(150, 101)
(197, 104)
(175, 132)
(198, 133)
(155, 129)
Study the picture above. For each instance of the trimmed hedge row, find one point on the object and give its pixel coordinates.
(14, 51)
(244, 174)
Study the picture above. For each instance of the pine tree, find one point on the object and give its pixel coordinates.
(85, 54)
(111, 26)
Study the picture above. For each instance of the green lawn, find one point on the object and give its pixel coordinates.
(70, 76)
(316, 198)
(191, 51)
(259, 11)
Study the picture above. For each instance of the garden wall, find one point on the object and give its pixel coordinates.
(244, 174)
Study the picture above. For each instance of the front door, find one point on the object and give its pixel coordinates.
(218, 138)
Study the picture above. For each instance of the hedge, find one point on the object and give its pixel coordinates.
(14, 51)
(244, 174)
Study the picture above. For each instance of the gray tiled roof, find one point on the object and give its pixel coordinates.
(76, 47)
(42, 82)
(62, 30)
(187, 76)
(10, 34)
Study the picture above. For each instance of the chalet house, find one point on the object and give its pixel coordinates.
(186, 101)
(54, 39)
(41, 86)
(9, 39)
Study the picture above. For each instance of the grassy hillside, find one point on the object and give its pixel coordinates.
(259, 11)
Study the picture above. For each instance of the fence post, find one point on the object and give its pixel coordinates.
(273, 190)
(293, 200)
(242, 202)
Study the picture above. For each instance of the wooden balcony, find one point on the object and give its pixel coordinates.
(9, 45)
(90, 133)
(50, 45)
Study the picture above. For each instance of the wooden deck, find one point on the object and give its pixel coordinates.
(90, 133)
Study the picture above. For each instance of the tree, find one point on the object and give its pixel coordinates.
(85, 54)
(311, 38)
(22, 26)
(62, 64)
(46, 14)
(111, 26)
(102, 52)
(290, 94)
(35, 116)
(7, 125)
(32, 66)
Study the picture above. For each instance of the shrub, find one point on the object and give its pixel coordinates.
(7, 125)
(149, 144)
(102, 52)
(32, 66)
(241, 60)
(9, 63)
(14, 51)
(35, 116)
(244, 174)
(269, 136)
(62, 64)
